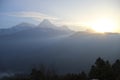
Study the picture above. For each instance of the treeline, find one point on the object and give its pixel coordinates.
(101, 70)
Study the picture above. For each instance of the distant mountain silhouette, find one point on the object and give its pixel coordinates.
(44, 29)
(23, 26)
(47, 24)
(17, 28)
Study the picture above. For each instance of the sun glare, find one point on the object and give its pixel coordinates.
(103, 25)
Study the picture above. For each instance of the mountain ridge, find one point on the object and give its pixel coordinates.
(44, 29)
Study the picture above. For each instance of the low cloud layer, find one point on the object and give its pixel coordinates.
(33, 15)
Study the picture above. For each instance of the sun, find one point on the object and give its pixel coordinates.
(103, 25)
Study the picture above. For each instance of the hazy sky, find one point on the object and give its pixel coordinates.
(70, 12)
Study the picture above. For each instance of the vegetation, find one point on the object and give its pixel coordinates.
(101, 70)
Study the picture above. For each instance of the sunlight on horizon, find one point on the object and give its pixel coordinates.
(104, 25)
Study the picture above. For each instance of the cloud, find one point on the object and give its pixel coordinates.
(40, 16)
(33, 15)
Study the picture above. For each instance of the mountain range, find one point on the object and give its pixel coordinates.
(26, 45)
(27, 29)
(17, 28)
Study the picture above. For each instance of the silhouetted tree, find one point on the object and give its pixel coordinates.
(116, 69)
(92, 73)
(101, 70)
(108, 71)
(97, 71)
